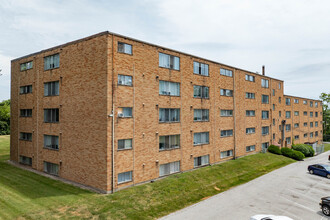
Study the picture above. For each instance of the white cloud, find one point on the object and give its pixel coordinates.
(286, 36)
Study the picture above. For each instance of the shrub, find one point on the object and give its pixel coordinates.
(301, 148)
(297, 155)
(274, 149)
(311, 151)
(287, 152)
(305, 149)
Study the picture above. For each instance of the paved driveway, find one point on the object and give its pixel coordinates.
(289, 191)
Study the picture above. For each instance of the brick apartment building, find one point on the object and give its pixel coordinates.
(109, 111)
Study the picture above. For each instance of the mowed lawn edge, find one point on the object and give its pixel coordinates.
(28, 195)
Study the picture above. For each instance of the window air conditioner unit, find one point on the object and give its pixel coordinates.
(120, 115)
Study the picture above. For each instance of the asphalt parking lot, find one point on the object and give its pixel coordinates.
(289, 191)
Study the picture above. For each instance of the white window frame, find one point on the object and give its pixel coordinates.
(201, 138)
(125, 144)
(201, 68)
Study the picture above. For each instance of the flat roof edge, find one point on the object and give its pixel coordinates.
(140, 41)
(63, 45)
(302, 98)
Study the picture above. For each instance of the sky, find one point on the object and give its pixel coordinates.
(291, 38)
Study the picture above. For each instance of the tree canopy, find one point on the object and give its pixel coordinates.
(5, 117)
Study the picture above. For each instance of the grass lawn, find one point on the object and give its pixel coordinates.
(326, 147)
(26, 195)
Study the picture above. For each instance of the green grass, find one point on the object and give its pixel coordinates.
(27, 195)
(326, 147)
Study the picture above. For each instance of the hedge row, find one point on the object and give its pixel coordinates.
(288, 152)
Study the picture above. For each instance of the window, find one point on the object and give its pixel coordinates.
(288, 140)
(287, 101)
(228, 153)
(296, 101)
(25, 89)
(265, 145)
(25, 160)
(311, 104)
(226, 133)
(124, 144)
(201, 68)
(125, 80)
(296, 125)
(316, 124)
(226, 92)
(250, 130)
(265, 130)
(264, 83)
(280, 127)
(226, 113)
(169, 61)
(288, 127)
(250, 95)
(26, 113)
(316, 114)
(273, 136)
(274, 121)
(52, 62)
(27, 66)
(51, 168)
(201, 138)
(273, 107)
(249, 78)
(264, 99)
(125, 112)
(201, 92)
(305, 113)
(287, 114)
(226, 72)
(250, 148)
(296, 137)
(279, 85)
(25, 136)
(279, 113)
(279, 99)
(51, 142)
(169, 88)
(305, 135)
(125, 177)
(124, 48)
(273, 92)
(201, 115)
(311, 124)
(305, 124)
(305, 102)
(51, 88)
(311, 114)
(201, 161)
(311, 134)
(316, 104)
(169, 142)
(296, 113)
(265, 114)
(51, 115)
(316, 133)
(250, 113)
(169, 115)
(169, 168)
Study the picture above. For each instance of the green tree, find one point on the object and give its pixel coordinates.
(5, 117)
(325, 97)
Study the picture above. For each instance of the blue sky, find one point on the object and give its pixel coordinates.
(291, 38)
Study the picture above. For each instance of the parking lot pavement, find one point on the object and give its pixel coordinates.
(289, 191)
